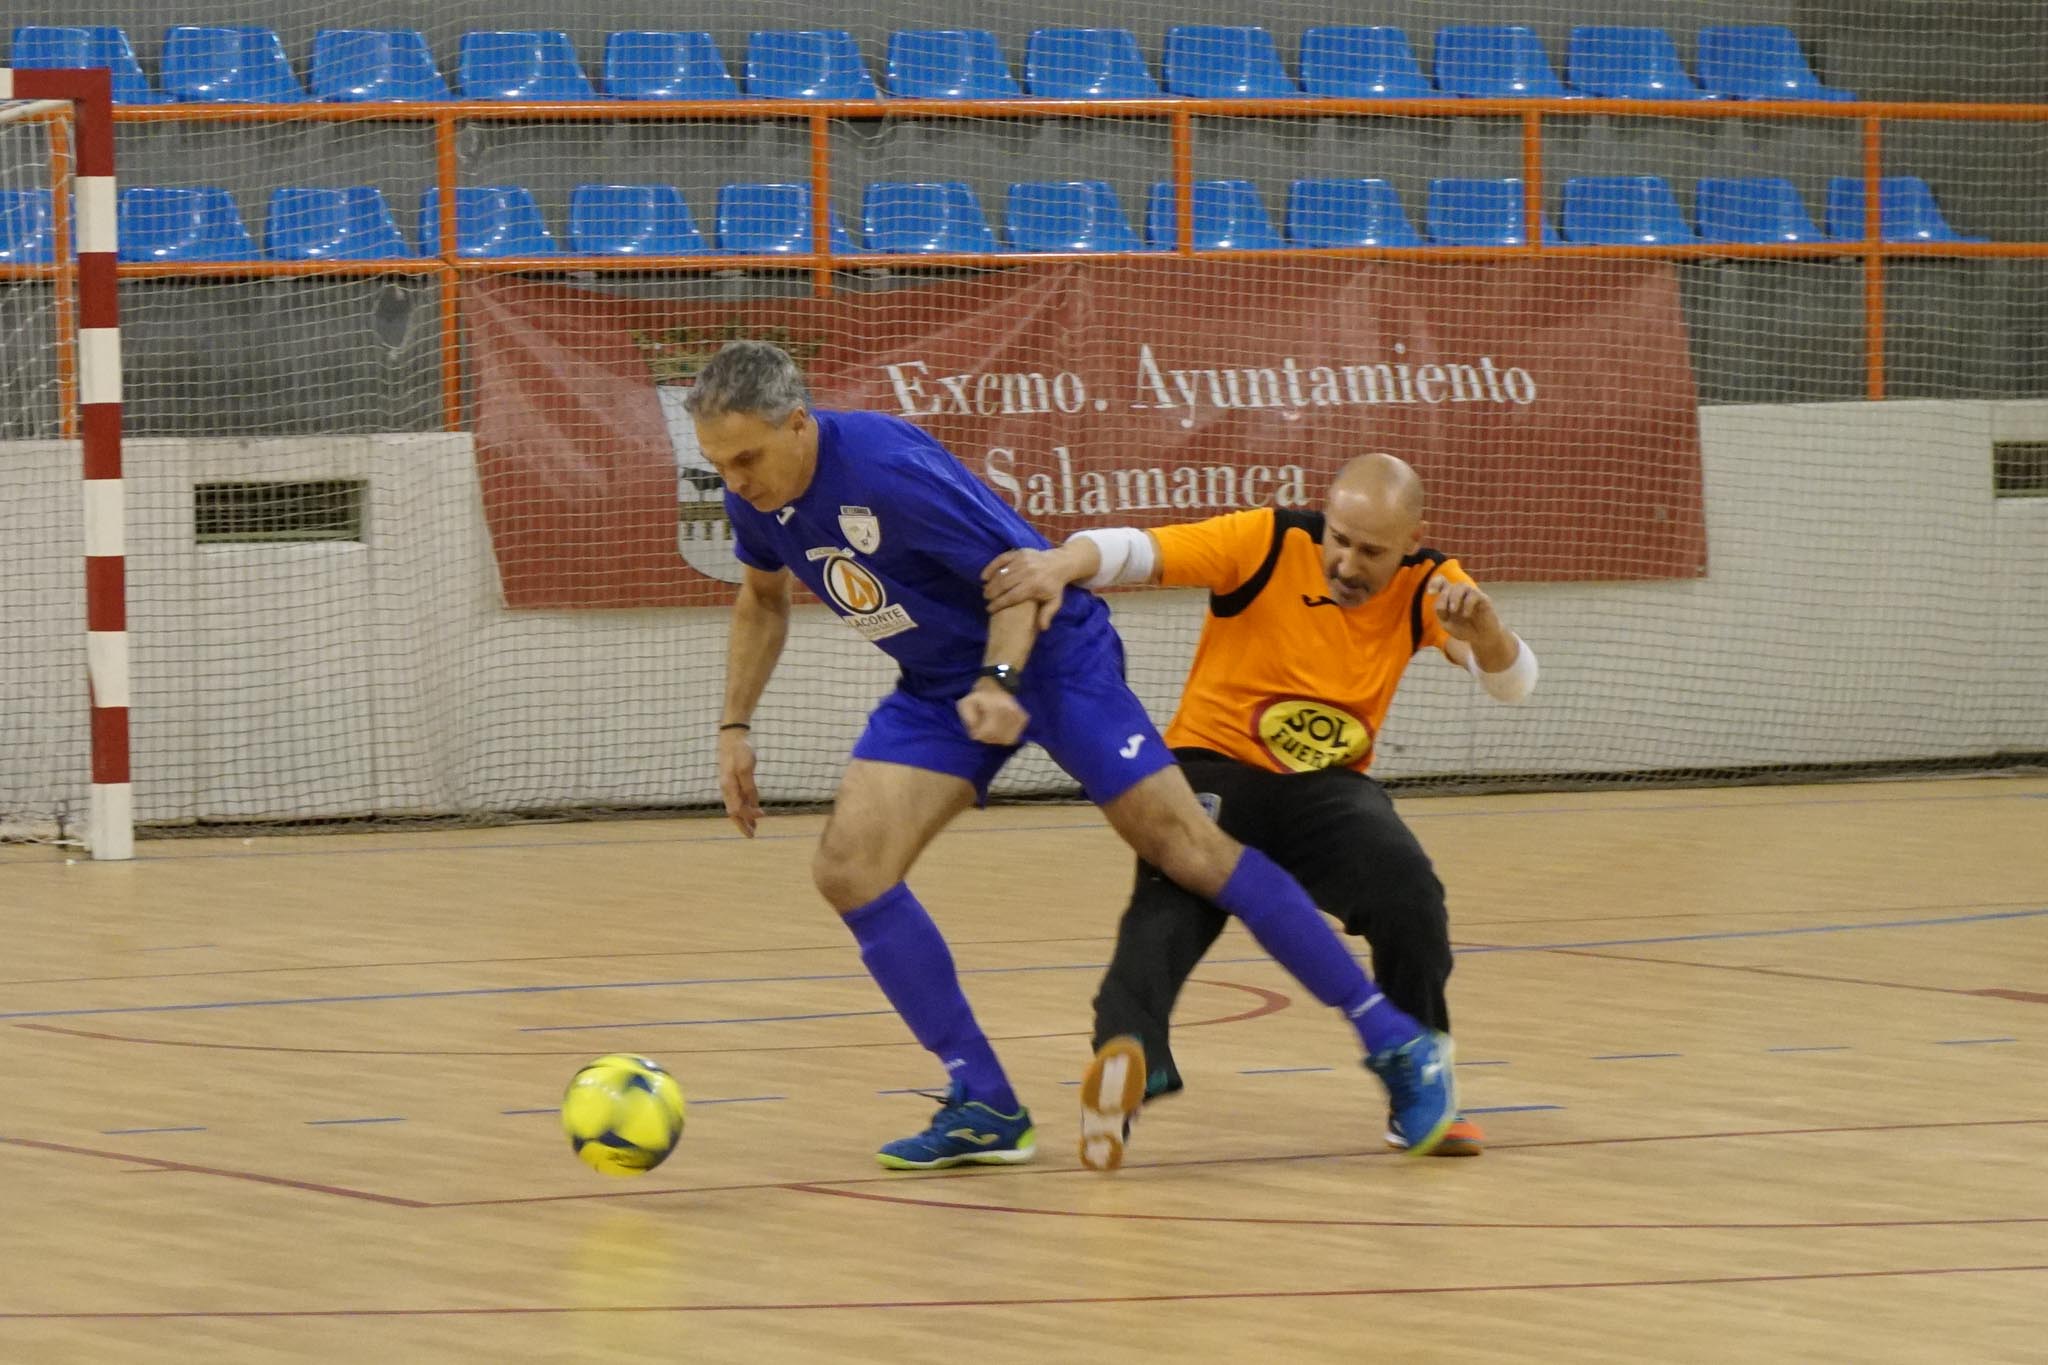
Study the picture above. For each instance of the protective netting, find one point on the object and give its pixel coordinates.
(421, 531)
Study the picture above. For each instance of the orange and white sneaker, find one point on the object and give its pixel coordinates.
(1111, 1094)
(1462, 1138)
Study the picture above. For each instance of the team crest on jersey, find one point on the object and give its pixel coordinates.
(860, 598)
(862, 529)
(1305, 735)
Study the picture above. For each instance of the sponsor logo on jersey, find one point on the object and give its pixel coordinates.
(858, 596)
(1306, 735)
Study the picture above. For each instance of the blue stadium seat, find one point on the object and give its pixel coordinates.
(1494, 61)
(244, 64)
(666, 66)
(949, 64)
(1906, 210)
(1229, 216)
(632, 220)
(351, 65)
(41, 48)
(1067, 215)
(352, 224)
(766, 220)
(1350, 62)
(1087, 63)
(1760, 62)
(1348, 213)
(911, 216)
(1215, 61)
(1762, 209)
(490, 220)
(1623, 210)
(197, 224)
(521, 64)
(28, 233)
(825, 64)
(1628, 64)
(1480, 213)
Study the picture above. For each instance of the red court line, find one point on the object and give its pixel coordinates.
(1270, 1002)
(1432, 1225)
(957, 943)
(1993, 992)
(1074, 1301)
(1375, 1153)
(189, 1169)
(844, 944)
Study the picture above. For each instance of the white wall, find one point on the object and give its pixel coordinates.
(1868, 599)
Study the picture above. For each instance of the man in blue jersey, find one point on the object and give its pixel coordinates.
(892, 532)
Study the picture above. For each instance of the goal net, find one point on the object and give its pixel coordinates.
(416, 526)
(45, 716)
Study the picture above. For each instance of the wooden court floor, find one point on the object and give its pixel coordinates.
(1765, 1073)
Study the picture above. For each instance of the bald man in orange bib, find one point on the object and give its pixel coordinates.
(1312, 619)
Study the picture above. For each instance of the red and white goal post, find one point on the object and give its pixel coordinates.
(80, 161)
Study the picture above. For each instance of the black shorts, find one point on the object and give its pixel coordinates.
(1337, 832)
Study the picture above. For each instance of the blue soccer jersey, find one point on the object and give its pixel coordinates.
(893, 534)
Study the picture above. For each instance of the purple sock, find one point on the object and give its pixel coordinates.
(1287, 925)
(909, 960)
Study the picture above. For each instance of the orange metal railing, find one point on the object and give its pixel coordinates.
(819, 116)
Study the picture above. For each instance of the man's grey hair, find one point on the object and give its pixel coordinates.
(755, 377)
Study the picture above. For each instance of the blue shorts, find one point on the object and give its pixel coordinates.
(1086, 718)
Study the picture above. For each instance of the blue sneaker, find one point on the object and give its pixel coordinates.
(1421, 1089)
(964, 1132)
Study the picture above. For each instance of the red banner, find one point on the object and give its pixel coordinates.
(1549, 406)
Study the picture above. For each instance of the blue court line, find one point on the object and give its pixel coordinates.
(677, 983)
(124, 1132)
(685, 1023)
(1633, 1056)
(731, 1099)
(326, 1123)
(1965, 1042)
(1831, 1047)
(1281, 1070)
(1514, 1109)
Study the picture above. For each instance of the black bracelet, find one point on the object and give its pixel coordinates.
(734, 725)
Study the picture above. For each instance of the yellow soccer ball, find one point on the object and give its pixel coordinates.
(623, 1114)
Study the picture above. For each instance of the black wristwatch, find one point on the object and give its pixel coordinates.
(1005, 675)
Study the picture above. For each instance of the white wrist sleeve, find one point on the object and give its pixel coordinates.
(1512, 683)
(1128, 556)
